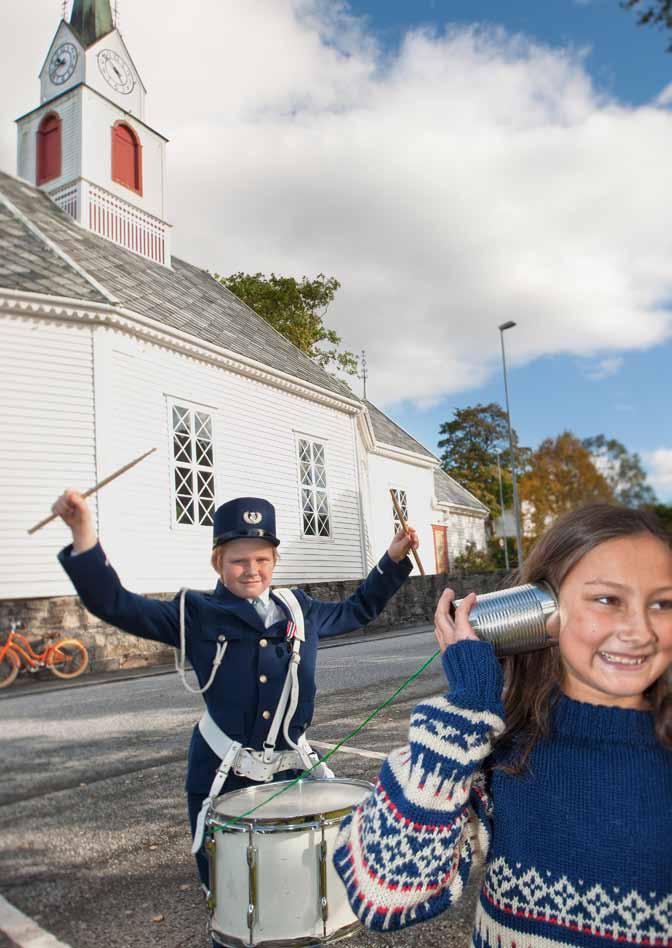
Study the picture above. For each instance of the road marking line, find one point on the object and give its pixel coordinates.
(346, 749)
(23, 931)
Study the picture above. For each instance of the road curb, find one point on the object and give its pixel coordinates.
(23, 931)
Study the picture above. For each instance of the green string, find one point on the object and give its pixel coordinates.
(360, 727)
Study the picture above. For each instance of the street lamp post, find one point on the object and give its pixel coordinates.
(501, 505)
(516, 502)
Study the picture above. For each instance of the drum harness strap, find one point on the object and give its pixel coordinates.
(245, 761)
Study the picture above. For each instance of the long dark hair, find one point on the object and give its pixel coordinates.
(533, 678)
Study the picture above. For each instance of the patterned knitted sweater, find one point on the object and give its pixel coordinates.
(578, 850)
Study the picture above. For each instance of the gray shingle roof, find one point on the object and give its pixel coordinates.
(184, 297)
(448, 491)
(28, 263)
(389, 432)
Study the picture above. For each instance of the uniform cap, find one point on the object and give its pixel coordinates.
(243, 518)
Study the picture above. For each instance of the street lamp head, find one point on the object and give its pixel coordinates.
(509, 325)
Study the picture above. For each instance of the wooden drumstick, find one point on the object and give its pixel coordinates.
(404, 527)
(96, 487)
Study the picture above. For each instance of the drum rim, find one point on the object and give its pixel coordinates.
(304, 941)
(279, 824)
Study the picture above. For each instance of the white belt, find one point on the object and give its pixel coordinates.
(249, 763)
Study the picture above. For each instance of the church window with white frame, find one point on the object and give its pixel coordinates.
(193, 465)
(315, 517)
(402, 500)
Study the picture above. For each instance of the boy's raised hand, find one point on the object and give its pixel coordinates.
(72, 508)
(402, 544)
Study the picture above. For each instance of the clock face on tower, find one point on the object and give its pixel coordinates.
(115, 71)
(62, 63)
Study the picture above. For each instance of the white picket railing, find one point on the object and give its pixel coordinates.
(126, 225)
(67, 199)
(113, 218)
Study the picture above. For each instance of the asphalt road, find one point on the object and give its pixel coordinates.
(94, 843)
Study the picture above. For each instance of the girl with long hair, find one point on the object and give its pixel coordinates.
(564, 757)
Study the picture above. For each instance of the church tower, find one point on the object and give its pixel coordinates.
(87, 144)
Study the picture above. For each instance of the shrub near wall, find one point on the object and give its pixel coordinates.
(414, 604)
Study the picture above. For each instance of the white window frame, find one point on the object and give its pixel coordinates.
(193, 408)
(402, 499)
(322, 443)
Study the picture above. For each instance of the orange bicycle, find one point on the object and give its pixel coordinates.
(65, 658)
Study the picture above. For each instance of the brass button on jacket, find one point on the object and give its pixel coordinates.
(266, 715)
(263, 643)
(263, 679)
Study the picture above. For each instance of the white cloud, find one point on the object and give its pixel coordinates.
(665, 97)
(603, 368)
(659, 464)
(472, 178)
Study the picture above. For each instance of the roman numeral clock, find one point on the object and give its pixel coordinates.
(115, 71)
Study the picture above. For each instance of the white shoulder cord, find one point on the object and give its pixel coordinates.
(292, 603)
(180, 654)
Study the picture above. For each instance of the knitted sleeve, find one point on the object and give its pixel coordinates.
(404, 854)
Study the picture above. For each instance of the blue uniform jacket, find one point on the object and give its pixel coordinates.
(250, 678)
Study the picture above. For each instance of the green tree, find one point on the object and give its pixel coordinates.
(297, 310)
(560, 478)
(664, 513)
(471, 443)
(622, 471)
(652, 13)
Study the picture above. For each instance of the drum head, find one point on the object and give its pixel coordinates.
(303, 802)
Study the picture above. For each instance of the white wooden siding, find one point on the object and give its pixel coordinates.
(418, 482)
(462, 530)
(47, 437)
(255, 427)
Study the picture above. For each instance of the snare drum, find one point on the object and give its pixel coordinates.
(272, 881)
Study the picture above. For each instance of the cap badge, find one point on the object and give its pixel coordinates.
(252, 517)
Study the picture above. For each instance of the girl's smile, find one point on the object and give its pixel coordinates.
(616, 621)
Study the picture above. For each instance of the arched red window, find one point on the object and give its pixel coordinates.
(49, 148)
(126, 157)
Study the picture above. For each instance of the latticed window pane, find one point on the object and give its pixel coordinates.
(403, 503)
(314, 496)
(193, 462)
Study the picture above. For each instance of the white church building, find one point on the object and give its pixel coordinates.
(111, 346)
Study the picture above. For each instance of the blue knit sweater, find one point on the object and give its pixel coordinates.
(578, 850)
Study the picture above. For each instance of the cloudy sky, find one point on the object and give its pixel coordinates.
(454, 163)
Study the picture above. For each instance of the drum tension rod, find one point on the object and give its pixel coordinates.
(251, 885)
(324, 902)
(211, 850)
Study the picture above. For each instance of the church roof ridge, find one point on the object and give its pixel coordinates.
(37, 233)
(185, 296)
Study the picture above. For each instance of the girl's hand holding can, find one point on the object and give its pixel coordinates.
(447, 629)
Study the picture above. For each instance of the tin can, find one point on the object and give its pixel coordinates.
(515, 619)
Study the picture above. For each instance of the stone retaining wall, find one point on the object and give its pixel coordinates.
(110, 649)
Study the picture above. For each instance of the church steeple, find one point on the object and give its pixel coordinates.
(91, 20)
(92, 94)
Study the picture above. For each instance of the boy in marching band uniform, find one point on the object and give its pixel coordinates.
(244, 641)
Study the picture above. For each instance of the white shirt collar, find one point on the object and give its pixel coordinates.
(264, 596)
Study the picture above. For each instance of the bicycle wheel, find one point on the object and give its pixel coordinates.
(9, 668)
(67, 659)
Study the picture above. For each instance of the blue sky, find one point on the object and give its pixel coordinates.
(626, 62)
(454, 163)
(554, 393)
